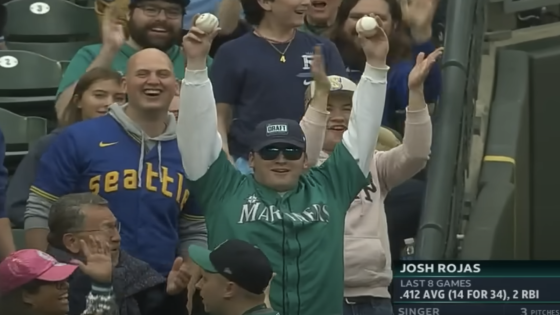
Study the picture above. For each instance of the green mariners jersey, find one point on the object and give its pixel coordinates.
(300, 231)
(85, 56)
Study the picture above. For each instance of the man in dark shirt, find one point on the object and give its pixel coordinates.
(235, 277)
(263, 74)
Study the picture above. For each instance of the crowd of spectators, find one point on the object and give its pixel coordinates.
(140, 176)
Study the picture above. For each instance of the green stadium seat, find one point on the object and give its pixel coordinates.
(28, 83)
(56, 51)
(53, 28)
(19, 238)
(20, 130)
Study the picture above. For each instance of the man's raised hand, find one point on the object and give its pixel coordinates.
(98, 264)
(112, 33)
(322, 83)
(178, 278)
(376, 47)
(418, 74)
(196, 45)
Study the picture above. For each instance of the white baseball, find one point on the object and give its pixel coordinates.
(207, 22)
(366, 26)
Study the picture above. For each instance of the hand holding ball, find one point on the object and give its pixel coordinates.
(366, 26)
(207, 22)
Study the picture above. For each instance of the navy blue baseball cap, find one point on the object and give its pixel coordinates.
(238, 261)
(278, 131)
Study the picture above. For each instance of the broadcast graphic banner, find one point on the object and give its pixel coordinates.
(477, 288)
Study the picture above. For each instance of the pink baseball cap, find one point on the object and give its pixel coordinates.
(25, 265)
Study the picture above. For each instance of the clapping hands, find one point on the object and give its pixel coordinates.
(178, 278)
(422, 68)
(322, 83)
(98, 263)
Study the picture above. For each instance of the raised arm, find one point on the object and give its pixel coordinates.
(197, 128)
(368, 101)
(314, 122)
(401, 163)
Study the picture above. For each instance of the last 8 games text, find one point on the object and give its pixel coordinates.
(478, 282)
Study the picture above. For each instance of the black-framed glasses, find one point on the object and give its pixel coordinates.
(271, 153)
(153, 11)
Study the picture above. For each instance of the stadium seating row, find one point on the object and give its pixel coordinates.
(55, 29)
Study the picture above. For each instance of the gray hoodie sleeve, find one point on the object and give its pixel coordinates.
(192, 227)
(18, 190)
(37, 212)
(191, 231)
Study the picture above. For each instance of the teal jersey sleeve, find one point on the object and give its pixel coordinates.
(77, 67)
(58, 170)
(220, 181)
(340, 175)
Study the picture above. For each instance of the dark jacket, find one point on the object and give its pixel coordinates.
(18, 190)
(139, 289)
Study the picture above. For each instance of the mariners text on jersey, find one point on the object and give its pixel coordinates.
(300, 231)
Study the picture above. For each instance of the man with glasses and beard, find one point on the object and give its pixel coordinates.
(152, 24)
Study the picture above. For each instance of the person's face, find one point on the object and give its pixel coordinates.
(215, 290)
(96, 99)
(321, 11)
(278, 166)
(288, 12)
(151, 85)
(366, 7)
(339, 107)
(156, 24)
(50, 298)
(99, 222)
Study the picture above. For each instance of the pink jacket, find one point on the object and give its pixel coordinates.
(367, 258)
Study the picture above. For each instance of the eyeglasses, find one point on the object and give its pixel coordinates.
(153, 11)
(272, 153)
(109, 229)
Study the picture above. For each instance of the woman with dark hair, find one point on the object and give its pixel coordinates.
(34, 283)
(409, 34)
(94, 92)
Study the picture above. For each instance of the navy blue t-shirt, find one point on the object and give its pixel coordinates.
(247, 74)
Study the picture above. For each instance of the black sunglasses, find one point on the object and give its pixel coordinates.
(289, 153)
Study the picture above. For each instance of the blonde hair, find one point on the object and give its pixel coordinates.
(386, 140)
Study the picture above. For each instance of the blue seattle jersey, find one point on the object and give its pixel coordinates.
(98, 155)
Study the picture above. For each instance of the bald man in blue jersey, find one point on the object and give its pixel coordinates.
(129, 157)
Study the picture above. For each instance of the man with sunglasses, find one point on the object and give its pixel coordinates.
(151, 24)
(295, 215)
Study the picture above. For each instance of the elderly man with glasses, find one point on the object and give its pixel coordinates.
(138, 288)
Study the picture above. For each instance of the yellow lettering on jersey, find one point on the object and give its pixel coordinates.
(130, 180)
(150, 175)
(185, 198)
(166, 180)
(111, 181)
(127, 179)
(94, 184)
